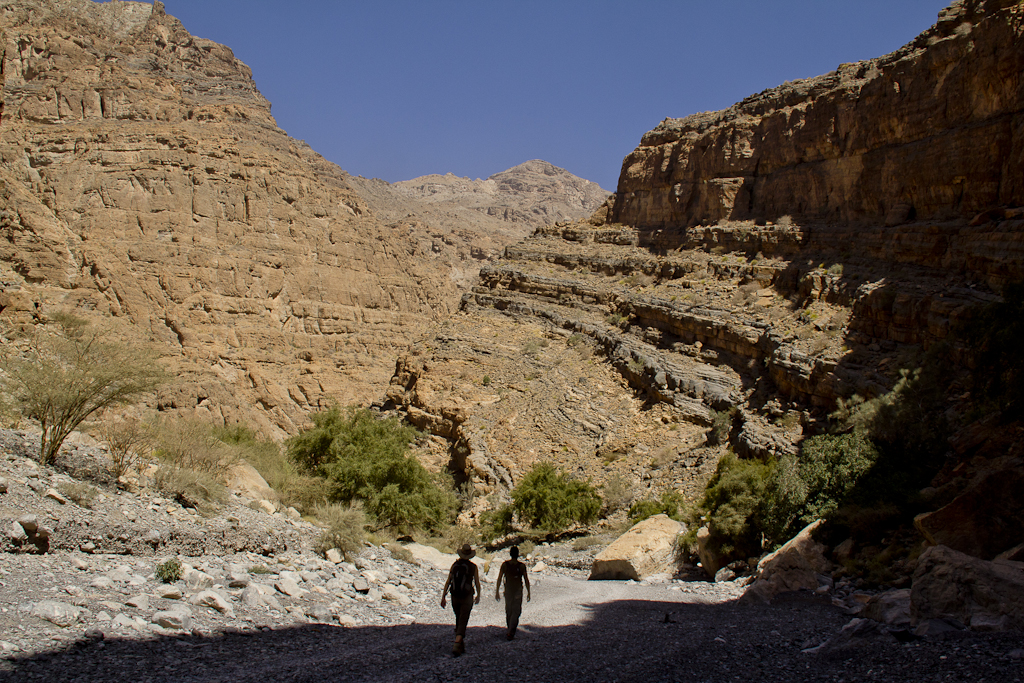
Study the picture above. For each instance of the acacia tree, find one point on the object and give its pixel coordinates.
(67, 372)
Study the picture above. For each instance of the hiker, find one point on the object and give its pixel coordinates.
(514, 573)
(461, 579)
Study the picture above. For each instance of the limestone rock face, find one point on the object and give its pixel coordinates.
(931, 131)
(144, 178)
(644, 550)
(980, 594)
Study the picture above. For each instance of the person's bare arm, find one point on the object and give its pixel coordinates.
(497, 589)
(476, 577)
(526, 580)
(444, 591)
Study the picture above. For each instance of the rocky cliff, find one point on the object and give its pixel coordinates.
(754, 266)
(142, 177)
(931, 131)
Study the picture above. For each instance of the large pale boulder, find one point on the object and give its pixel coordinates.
(980, 594)
(243, 479)
(429, 556)
(795, 566)
(645, 549)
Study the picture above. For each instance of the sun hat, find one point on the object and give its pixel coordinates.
(466, 551)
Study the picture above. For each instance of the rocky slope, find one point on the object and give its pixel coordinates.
(486, 214)
(144, 179)
(754, 266)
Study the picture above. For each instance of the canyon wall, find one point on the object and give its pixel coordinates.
(143, 178)
(932, 131)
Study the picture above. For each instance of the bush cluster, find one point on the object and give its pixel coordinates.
(344, 529)
(169, 571)
(670, 503)
(545, 499)
(364, 458)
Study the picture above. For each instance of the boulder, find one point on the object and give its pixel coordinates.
(213, 600)
(243, 479)
(795, 566)
(429, 556)
(59, 613)
(891, 607)
(984, 521)
(980, 594)
(646, 549)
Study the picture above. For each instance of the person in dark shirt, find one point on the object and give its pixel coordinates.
(514, 573)
(462, 578)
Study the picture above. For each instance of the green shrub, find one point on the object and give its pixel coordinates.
(551, 500)
(344, 529)
(260, 569)
(670, 503)
(721, 426)
(169, 571)
(731, 499)
(365, 458)
(496, 522)
(63, 373)
(456, 536)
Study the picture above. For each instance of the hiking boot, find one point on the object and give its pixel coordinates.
(458, 648)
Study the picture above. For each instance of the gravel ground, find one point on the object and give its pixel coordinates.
(391, 628)
(573, 631)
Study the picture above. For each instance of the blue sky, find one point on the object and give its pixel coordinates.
(396, 89)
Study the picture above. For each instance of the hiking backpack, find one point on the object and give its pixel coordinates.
(462, 579)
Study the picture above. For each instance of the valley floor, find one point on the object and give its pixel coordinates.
(573, 630)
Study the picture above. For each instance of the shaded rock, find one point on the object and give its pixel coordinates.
(984, 520)
(856, 634)
(647, 548)
(794, 566)
(935, 627)
(891, 607)
(980, 594)
(710, 561)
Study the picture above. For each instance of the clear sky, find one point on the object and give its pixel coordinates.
(396, 89)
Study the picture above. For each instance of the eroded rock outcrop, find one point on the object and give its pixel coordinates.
(931, 131)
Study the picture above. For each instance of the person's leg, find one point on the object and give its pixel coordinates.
(513, 608)
(462, 608)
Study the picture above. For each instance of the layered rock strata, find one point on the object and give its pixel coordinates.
(759, 263)
(144, 178)
(932, 131)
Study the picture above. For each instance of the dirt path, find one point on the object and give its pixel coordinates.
(574, 630)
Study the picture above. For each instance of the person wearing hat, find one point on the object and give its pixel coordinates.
(462, 578)
(514, 573)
